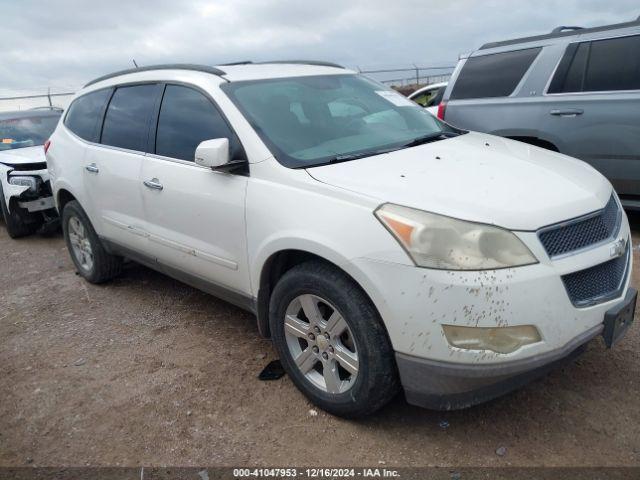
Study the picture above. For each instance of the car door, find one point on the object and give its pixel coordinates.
(194, 215)
(593, 108)
(113, 167)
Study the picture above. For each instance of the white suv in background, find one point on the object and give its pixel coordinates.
(377, 246)
(429, 97)
(26, 203)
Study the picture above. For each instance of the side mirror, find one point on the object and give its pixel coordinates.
(213, 153)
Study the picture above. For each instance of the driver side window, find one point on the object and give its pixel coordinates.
(186, 119)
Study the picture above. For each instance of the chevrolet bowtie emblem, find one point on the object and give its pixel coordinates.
(618, 248)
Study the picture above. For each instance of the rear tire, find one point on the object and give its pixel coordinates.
(89, 256)
(331, 340)
(16, 227)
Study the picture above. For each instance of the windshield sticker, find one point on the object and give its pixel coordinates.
(395, 98)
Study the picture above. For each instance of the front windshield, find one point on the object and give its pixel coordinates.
(21, 132)
(308, 121)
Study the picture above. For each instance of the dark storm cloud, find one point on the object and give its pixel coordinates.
(64, 43)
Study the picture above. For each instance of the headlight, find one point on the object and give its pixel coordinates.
(23, 181)
(436, 241)
(496, 339)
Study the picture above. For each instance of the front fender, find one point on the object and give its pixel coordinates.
(292, 240)
(325, 249)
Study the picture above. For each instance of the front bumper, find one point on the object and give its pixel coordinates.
(20, 195)
(414, 303)
(449, 386)
(38, 205)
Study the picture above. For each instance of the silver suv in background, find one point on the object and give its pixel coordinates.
(575, 90)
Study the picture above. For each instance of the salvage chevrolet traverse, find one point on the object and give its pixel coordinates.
(379, 248)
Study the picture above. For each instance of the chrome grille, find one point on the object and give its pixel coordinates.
(582, 232)
(599, 283)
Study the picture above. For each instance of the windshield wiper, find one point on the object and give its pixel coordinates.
(354, 156)
(345, 157)
(432, 137)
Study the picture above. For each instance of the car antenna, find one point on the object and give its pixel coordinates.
(134, 62)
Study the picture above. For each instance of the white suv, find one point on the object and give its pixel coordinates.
(377, 246)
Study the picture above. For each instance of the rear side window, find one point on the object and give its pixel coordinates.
(570, 71)
(126, 123)
(613, 65)
(85, 113)
(186, 119)
(495, 75)
(599, 66)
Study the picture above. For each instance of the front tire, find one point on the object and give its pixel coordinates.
(331, 340)
(92, 261)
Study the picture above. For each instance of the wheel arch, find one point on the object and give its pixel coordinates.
(280, 261)
(63, 196)
(536, 141)
(531, 137)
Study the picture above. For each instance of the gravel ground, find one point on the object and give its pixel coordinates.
(145, 370)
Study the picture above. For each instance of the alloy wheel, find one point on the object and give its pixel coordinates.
(321, 343)
(80, 243)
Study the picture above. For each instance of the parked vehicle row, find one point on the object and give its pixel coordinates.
(379, 247)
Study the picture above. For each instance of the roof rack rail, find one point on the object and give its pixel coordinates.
(318, 63)
(562, 28)
(169, 66)
(561, 32)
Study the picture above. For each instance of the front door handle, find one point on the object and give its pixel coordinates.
(153, 184)
(93, 168)
(568, 112)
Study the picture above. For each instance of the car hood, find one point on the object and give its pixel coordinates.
(477, 177)
(21, 156)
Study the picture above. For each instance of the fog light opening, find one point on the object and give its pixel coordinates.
(496, 339)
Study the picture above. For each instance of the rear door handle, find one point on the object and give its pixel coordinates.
(569, 112)
(93, 168)
(153, 184)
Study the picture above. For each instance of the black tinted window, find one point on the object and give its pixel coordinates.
(437, 98)
(495, 75)
(84, 114)
(570, 71)
(187, 118)
(127, 120)
(613, 65)
(602, 65)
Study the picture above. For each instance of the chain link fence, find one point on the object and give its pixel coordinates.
(414, 77)
(30, 100)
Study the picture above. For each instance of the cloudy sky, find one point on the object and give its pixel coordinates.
(64, 43)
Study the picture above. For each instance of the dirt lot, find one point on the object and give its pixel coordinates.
(145, 370)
